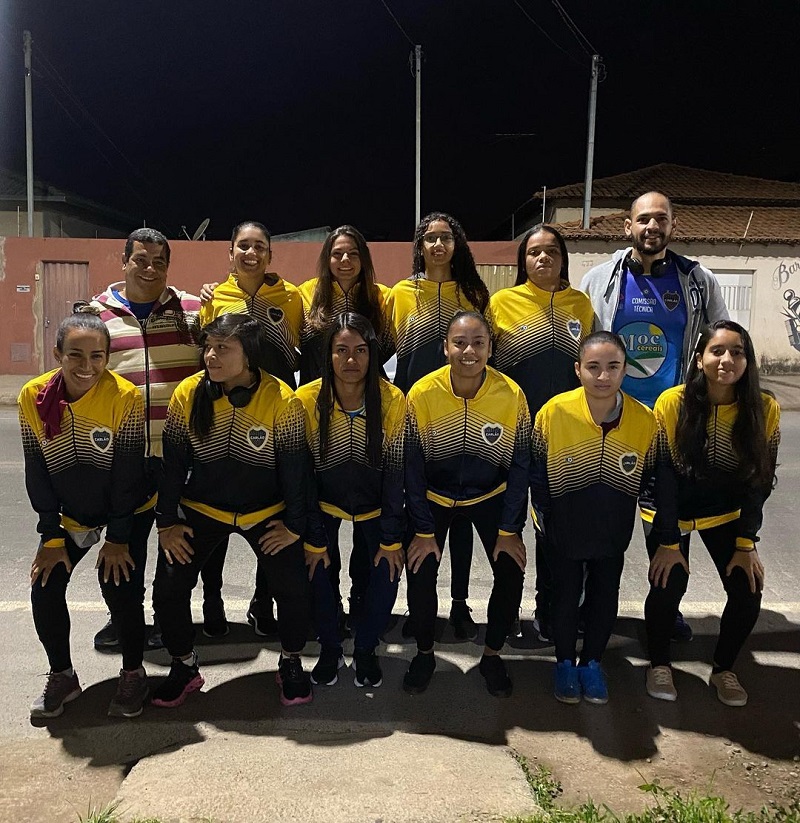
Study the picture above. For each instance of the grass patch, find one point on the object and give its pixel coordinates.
(667, 805)
(110, 814)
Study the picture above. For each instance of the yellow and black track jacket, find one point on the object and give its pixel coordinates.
(347, 485)
(92, 473)
(460, 452)
(253, 465)
(280, 310)
(537, 336)
(311, 354)
(420, 311)
(684, 504)
(584, 483)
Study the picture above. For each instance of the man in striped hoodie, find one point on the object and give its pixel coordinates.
(154, 330)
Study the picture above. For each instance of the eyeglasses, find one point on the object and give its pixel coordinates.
(445, 236)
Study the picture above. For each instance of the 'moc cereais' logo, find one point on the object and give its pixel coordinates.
(275, 315)
(574, 328)
(257, 437)
(628, 462)
(491, 433)
(101, 438)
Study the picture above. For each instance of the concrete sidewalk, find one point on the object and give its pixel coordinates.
(233, 754)
(786, 389)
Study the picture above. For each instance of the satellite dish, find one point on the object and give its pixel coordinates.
(201, 230)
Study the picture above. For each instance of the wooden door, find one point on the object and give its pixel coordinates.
(64, 284)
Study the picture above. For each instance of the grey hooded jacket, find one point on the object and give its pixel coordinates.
(701, 291)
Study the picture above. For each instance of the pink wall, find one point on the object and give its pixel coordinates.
(192, 264)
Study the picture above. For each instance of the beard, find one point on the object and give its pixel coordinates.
(652, 246)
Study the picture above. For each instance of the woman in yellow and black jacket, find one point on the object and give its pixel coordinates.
(467, 454)
(719, 443)
(355, 423)
(594, 449)
(444, 281)
(235, 461)
(83, 440)
(539, 325)
(252, 289)
(345, 282)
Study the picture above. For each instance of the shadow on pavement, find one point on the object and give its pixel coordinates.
(457, 705)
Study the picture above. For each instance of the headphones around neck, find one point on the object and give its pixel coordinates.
(657, 267)
(238, 396)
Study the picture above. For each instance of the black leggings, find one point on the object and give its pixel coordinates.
(125, 602)
(600, 606)
(423, 601)
(460, 557)
(740, 613)
(286, 570)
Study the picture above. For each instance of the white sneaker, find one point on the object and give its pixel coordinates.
(659, 683)
(729, 689)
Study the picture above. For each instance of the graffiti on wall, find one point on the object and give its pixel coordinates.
(791, 310)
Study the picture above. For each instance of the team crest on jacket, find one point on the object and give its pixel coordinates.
(275, 315)
(491, 432)
(574, 328)
(257, 437)
(628, 462)
(101, 438)
(671, 300)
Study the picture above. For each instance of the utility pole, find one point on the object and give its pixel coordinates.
(587, 191)
(418, 76)
(26, 39)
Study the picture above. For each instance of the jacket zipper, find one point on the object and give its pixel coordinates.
(552, 343)
(463, 450)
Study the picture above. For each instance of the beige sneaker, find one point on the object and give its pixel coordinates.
(659, 683)
(729, 689)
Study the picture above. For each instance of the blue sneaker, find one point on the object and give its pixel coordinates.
(567, 687)
(593, 683)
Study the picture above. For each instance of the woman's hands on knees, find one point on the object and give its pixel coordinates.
(419, 549)
(115, 559)
(750, 563)
(313, 559)
(46, 560)
(277, 537)
(175, 544)
(662, 564)
(395, 559)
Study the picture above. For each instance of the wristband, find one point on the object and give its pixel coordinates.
(673, 547)
(746, 551)
(54, 543)
(314, 549)
(391, 547)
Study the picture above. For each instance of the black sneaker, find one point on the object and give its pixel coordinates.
(181, 681)
(154, 640)
(294, 682)
(106, 638)
(419, 673)
(264, 623)
(215, 622)
(326, 671)
(462, 622)
(368, 669)
(681, 630)
(60, 688)
(131, 693)
(494, 673)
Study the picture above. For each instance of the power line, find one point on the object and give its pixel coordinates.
(557, 45)
(579, 35)
(397, 23)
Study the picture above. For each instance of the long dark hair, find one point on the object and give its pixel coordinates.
(372, 391)
(462, 265)
(248, 331)
(522, 274)
(366, 292)
(749, 438)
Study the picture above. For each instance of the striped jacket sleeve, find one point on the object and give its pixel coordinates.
(416, 485)
(175, 464)
(127, 471)
(512, 518)
(392, 514)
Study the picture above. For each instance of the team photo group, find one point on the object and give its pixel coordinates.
(263, 409)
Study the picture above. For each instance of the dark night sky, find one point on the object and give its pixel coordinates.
(300, 113)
